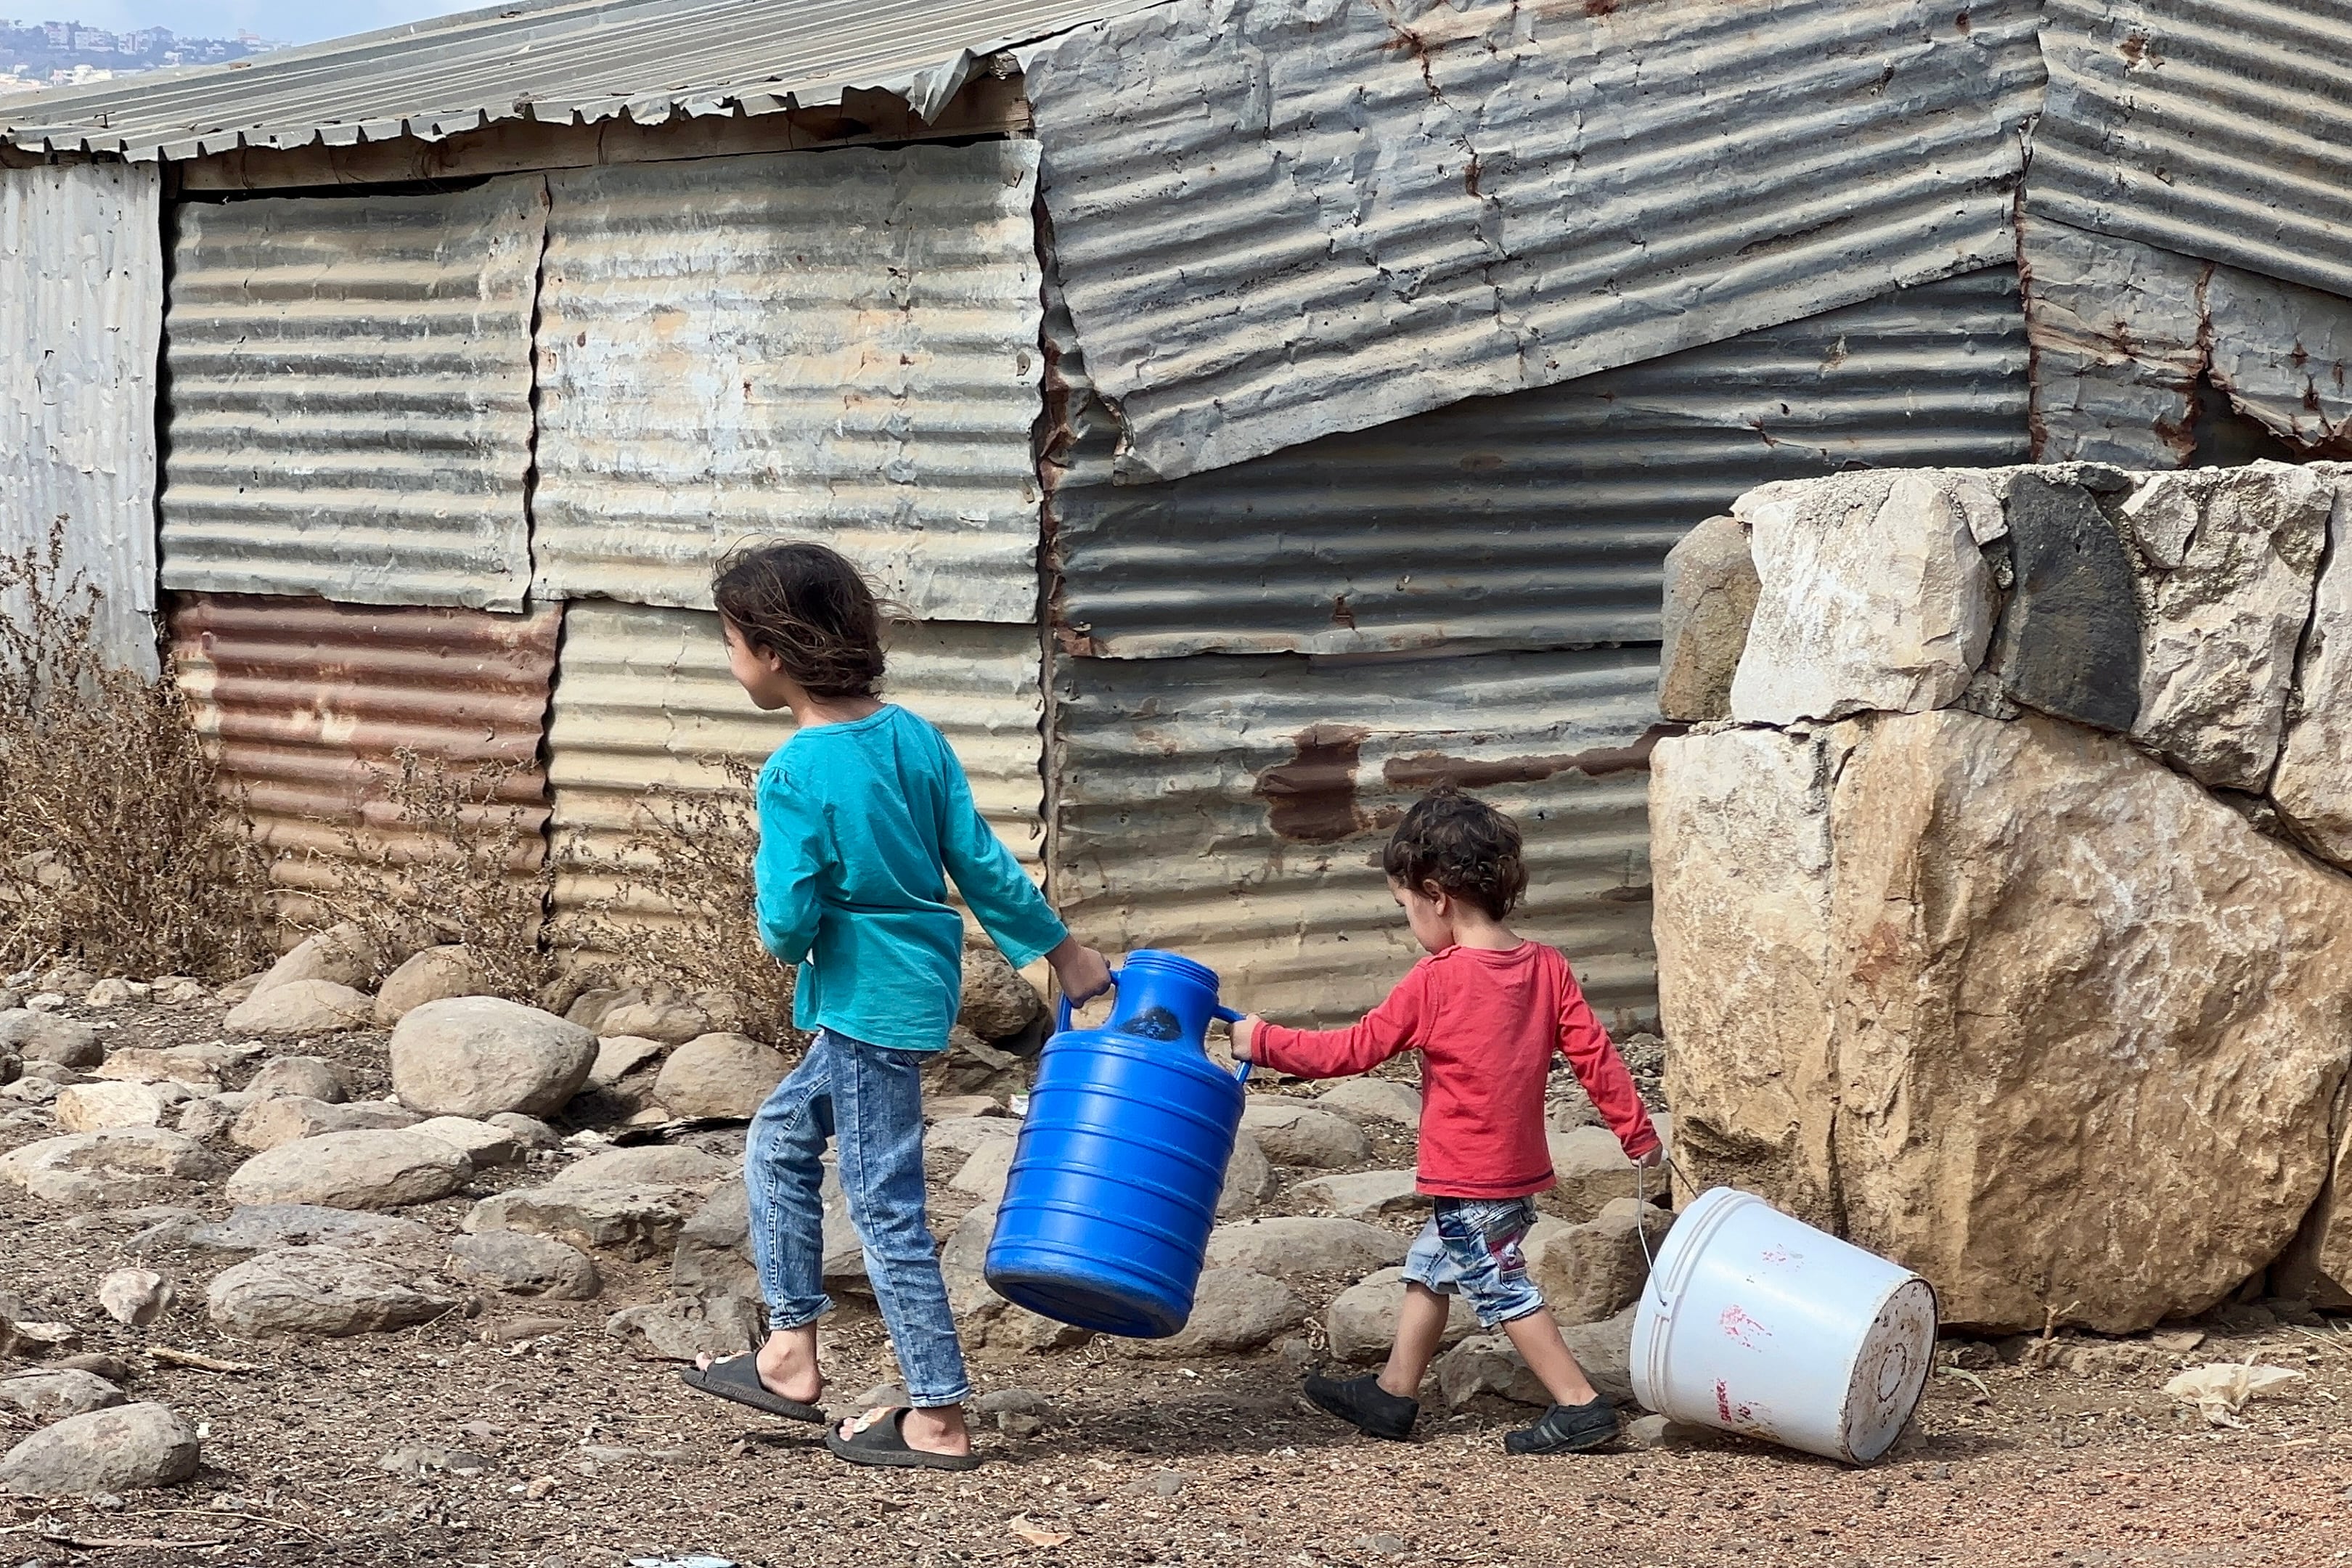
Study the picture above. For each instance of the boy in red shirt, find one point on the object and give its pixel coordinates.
(1486, 1010)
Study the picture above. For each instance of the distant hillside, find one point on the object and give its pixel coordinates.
(51, 54)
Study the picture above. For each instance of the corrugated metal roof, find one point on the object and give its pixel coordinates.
(561, 60)
(1280, 219)
(1537, 520)
(309, 701)
(82, 306)
(2217, 129)
(840, 345)
(644, 699)
(349, 396)
(1233, 809)
(2123, 332)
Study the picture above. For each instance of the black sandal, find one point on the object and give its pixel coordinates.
(1565, 1429)
(737, 1377)
(878, 1436)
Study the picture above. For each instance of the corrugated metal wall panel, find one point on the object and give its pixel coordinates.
(349, 396)
(839, 345)
(81, 312)
(2123, 333)
(645, 699)
(1541, 519)
(2217, 129)
(1233, 809)
(1281, 218)
(308, 700)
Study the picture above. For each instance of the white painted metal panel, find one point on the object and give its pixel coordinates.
(81, 312)
(837, 345)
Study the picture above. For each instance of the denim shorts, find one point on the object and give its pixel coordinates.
(1470, 1247)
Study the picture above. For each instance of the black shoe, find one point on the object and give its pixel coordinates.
(1565, 1429)
(1364, 1404)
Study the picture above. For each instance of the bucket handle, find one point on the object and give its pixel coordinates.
(1642, 1232)
(1061, 1021)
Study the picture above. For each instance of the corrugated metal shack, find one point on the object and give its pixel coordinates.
(1267, 408)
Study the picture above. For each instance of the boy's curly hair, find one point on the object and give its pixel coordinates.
(810, 607)
(1462, 844)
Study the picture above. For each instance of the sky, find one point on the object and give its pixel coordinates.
(288, 21)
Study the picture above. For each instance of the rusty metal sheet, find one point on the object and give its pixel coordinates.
(1276, 219)
(2217, 129)
(1233, 808)
(838, 345)
(349, 396)
(644, 699)
(2149, 359)
(1537, 520)
(81, 313)
(562, 61)
(308, 702)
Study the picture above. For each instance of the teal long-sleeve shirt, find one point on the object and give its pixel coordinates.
(860, 825)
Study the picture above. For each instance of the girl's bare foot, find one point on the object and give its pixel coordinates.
(938, 1430)
(787, 1366)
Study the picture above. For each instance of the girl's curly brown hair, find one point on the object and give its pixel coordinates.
(1462, 844)
(810, 607)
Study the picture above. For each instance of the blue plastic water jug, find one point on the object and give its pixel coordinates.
(1121, 1159)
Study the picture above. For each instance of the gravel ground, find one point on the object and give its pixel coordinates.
(559, 1451)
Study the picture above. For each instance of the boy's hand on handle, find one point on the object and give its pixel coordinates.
(1083, 974)
(1652, 1158)
(1244, 1033)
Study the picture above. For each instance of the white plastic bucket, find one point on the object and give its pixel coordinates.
(1757, 1324)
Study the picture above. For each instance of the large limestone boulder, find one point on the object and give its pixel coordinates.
(435, 974)
(1373, 1100)
(635, 1223)
(1595, 1270)
(2228, 560)
(1301, 1132)
(1234, 1311)
(343, 955)
(2065, 1030)
(481, 1056)
(649, 1164)
(1710, 595)
(1874, 593)
(1361, 1322)
(284, 1119)
(305, 1078)
(127, 1448)
(1301, 1246)
(321, 1291)
(112, 1166)
(2312, 785)
(368, 1169)
(720, 1075)
(89, 1106)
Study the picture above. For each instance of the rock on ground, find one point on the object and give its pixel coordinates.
(618, 1056)
(713, 1255)
(52, 1395)
(1711, 589)
(435, 974)
(480, 1055)
(196, 1065)
(635, 1223)
(986, 1173)
(524, 1265)
(1486, 1363)
(650, 1165)
(128, 1448)
(2231, 559)
(657, 1013)
(344, 954)
(362, 1170)
(1364, 1193)
(89, 1106)
(284, 1119)
(2160, 990)
(38, 1038)
(681, 1330)
(480, 1141)
(720, 1075)
(2313, 786)
(302, 1007)
(1373, 1099)
(301, 1077)
(1250, 1178)
(1592, 1172)
(1361, 1321)
(136, 1297)
(110, 1166)
(267, 1227)
(1300, 1248)
(1298, 1132)
(321, 1291)
(997, 1003)
(1874, 593)
(949, 1143)
(1593, 1271)
(1234, 1311)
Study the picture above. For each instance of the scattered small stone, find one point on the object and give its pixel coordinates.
(126, 1448)
(515, 1330)
(1019, 1423)
(211, 1116)
(114, 992)
(136, 1297)
(997, 1003)
(1385, 1546)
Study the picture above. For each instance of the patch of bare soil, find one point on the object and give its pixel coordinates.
(558, 1450)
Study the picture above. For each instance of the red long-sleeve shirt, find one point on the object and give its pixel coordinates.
(1485, 1023)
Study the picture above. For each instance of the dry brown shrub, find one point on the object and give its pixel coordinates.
(677, 904)
(452, 858)
(117, 848)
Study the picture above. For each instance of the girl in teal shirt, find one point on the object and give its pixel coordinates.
(864, 816)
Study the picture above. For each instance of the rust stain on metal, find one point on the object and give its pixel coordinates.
(1311, 799)
(1428, 770)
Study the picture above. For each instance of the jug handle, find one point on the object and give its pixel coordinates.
(1241, 1074)
(1062, 1007)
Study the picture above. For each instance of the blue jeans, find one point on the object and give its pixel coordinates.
(873, 1099)
(1471, 1248)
